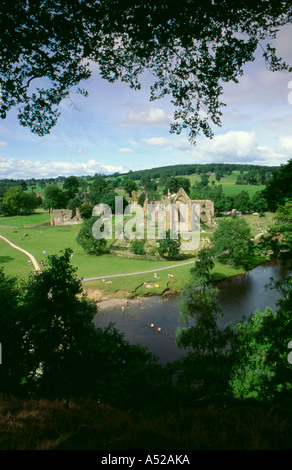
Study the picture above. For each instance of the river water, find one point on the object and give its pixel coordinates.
(238, 297)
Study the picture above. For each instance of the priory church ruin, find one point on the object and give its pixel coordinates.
(180, 208)
(173, 208)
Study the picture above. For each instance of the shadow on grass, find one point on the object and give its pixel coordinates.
(5, 259)
(218, 277)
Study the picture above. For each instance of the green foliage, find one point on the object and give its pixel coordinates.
(147, 183)
(10, 333)
(98, 189)
(232, 237)
(16, 202)
(253, 177)
(74, 203)
(279, 188)
(251, 373)
(137, 247)
(205, 367)
(110, 199)
(57, 325)
(241, 202)
(215, 194)
(86, 210)
(201, 271)
(278, 241)
(190, 51)
(260, 352)
(204, 179)
(55, 197)
(170, 245)
(71, 186)
(130, 186)
(258, 203)
(87, 240)
(173, 184)
(52, 349)
(141, 199)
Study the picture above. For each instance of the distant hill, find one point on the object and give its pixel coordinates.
(188, 169)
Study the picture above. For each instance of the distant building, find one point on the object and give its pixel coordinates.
(65, 217)
(183, 209)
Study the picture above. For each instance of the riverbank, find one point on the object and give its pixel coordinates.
(166, 284)
(152, 321)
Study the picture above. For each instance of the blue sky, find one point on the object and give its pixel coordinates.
(119, 129)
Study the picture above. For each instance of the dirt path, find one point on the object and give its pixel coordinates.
(31, 257)
(137, 273)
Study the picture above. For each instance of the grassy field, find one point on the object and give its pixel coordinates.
(53, 239)
(138, 285)
(228, 184)
(39, 217)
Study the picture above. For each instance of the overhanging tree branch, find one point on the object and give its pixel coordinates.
(189, 47)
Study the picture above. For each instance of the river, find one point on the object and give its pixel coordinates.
(238, 297)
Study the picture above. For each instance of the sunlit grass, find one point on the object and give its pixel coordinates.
(39, 217)
(52, 240)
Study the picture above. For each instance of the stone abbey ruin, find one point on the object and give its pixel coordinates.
(180, 208)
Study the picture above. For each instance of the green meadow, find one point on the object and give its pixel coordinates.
(40, 217)
(50, 240)
(228, 184)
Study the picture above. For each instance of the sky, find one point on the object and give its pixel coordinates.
(116, 129)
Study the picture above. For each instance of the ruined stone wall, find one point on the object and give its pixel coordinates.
(206, 210)
(65, 217)
(182, 201)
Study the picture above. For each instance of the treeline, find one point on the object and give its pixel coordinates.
(171, 170)
(242, 201)
(19, 196)
(189, 169)
(254, 177)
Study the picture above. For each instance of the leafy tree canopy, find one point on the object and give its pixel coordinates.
(279, 188)
(173, 184)
(129, 186)
(86, 239)
(260, 355)
(232, 237)
(189, 47)
(170, 245)
(201, 271)
(71, 186)
(52, 348)
(55, 197)
(98, 188)
(15, 201)
(278, 241)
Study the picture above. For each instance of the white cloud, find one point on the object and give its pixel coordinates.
(16, 169)
(162, 142)
(233, 144)
(285, 143)
(148, 117)
(157, 142)
(125, 150)
(242, 147)
(231, 147)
